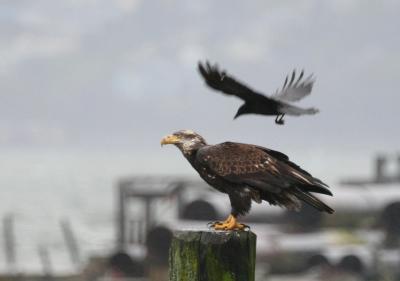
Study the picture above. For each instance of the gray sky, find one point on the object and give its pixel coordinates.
(118, 75)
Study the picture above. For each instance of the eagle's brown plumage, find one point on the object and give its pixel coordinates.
(250, 173)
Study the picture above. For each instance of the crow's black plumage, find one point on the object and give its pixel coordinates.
(249, 173)
(294, 89)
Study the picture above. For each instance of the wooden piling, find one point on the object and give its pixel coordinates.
(212, 256)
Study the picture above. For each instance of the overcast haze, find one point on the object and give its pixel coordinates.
(115, 76)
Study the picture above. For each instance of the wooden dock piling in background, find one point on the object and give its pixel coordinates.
(212, 256)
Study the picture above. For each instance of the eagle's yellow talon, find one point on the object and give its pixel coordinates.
(220, 223)
(229, 224)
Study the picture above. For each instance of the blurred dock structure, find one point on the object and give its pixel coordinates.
(45, 260)
(71, 242)
(289, 242)
(381, 175)
(362, 237)
(9, 243)
(147, 191)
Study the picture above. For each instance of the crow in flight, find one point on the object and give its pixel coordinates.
(294, 89)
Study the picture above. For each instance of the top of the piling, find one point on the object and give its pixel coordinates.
(213, 236)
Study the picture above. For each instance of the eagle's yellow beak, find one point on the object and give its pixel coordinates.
(170, 139)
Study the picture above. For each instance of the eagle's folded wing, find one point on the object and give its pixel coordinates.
(259, 167)
(276, 180)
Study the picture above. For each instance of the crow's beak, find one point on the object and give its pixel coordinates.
(170, 139)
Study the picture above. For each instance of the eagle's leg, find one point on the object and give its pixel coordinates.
(229, 224)
(241, 203)
(279, 119)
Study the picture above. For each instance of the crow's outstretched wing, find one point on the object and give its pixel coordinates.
(267, 171)
(296, 88)
(221, 81)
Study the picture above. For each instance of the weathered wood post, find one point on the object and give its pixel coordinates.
(212, 256)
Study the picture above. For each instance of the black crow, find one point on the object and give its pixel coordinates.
(294, 89)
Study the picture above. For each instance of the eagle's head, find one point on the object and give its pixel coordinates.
(186, 140)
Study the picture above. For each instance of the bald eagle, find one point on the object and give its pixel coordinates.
(249, 173)
(256, 103)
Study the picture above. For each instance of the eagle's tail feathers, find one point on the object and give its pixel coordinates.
(313, 201)
(318, 189)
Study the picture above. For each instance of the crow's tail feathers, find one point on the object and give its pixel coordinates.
(296, 111)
